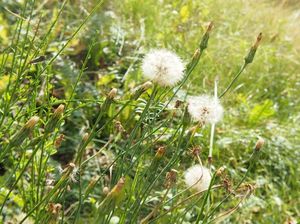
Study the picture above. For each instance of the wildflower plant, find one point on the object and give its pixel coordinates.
(149, 175)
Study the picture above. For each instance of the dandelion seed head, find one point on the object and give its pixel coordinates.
(163, 67)
(197, 177)
(206, 109)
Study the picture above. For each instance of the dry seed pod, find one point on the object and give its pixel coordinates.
(178, 103)
(171, 178)
(54, 209)
(195, 151)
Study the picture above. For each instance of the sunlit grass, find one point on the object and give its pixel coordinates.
(47, 59)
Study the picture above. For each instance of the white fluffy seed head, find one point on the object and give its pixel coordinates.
(205, 109)
(163, 67)
(197, 177)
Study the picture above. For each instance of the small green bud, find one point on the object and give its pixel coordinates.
(249, 58)
(50, 126)
(141, 89)
(205, 38)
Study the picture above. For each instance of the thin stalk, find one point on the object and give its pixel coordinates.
(212, 130)
(252, 161)
(155, 209)
(233, 80)
(206, 198)
(99, 3)
(182, 203)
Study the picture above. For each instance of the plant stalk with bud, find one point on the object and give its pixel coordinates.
(248, 60)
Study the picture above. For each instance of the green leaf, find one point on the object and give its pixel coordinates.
(262, 111)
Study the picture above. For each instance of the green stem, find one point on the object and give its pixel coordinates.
(206, 198)
(234, 80)
(251, 160)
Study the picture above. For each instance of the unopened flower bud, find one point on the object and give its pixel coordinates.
(105, 190)
(210, 26)
(147, 85)
(220, 171)
(85, 137)
(50, 126)
(59, 110)
(138, 91)
(58, 141)
(205, 38)
(31, 122)
(160, 152)
(259, 144)
(117, 188)
(196, 53)
(249, 58)
(93, 181)
(112, 94)
(25, 131)
(258, 39)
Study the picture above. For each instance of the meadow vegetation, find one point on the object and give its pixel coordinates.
(88, 136)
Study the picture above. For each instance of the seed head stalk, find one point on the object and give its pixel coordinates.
(212, 131)
(252, 160)
(62, 183)
(206, 198)
(248, 59)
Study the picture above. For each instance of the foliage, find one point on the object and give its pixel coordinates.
(105, 158)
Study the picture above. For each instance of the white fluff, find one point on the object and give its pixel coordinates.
(206, 109)
(163, 67)
(197, 177)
